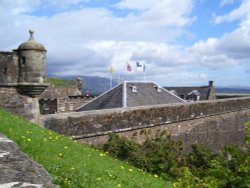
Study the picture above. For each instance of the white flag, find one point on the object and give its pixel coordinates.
(140, 67)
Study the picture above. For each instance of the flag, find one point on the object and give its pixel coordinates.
(129, 68)
(144, 67)
(140, 66)
(111, 69)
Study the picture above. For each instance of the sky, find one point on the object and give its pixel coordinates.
(181, 43)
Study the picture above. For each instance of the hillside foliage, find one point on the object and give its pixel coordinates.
(200, 168)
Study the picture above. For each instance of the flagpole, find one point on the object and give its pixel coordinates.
(110, 84)
(111, 76)
(144, 71)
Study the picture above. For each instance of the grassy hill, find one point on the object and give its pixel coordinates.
(72, 164)
(96, 85)
(59, 82)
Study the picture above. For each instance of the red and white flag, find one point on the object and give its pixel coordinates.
(129, 68)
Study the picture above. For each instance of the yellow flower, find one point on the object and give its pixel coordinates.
(122, 167)
(156, 176)
(65, 147)
(130, 170)
(98, 179)
(29, 140)
(102, 154)
(119, 185)
(60, 154)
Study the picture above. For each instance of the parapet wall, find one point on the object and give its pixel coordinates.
(99, 123)
(22, 105)
(8, 68)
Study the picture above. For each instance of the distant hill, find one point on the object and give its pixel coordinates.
(96, 85)
(231, 90)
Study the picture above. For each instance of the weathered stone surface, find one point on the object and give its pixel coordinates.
(25, 106)
(8, 67)
(213, 123)
(18, 170)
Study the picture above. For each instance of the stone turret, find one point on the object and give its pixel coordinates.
(32, 62)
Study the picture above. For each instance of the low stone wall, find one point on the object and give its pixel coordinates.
(213, 131)
(189, 116)
(71, 104)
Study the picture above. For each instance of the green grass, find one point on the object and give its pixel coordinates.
(72, 164)
(59, 82)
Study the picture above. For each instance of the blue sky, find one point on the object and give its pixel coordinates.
(185, 42)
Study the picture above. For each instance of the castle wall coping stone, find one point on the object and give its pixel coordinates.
(97, 122)
(18, 170)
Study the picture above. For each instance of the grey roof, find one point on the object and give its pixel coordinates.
(185, 91)
(131, 94)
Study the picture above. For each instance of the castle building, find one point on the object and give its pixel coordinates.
(24, 68)
(22, 78)
(23, 87)
(194, 93)
(132, 94)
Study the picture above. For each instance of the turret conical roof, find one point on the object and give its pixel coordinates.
(31, 44)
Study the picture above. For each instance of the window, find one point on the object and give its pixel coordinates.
(23, 60)
(158, 89)
(134, 89)
(182, 96)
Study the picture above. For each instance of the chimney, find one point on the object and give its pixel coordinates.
(211, 83)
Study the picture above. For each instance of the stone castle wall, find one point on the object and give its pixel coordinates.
(8, 68)
(71, 104)
(214, 123)
(22, 105)
(213, 131)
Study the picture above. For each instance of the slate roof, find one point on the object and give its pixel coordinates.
(204, 91)
(131, 94)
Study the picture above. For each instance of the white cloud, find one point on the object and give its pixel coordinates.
(136, 5)
(226, 2)
(236, 14)
(165, 12)
(87, 40)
